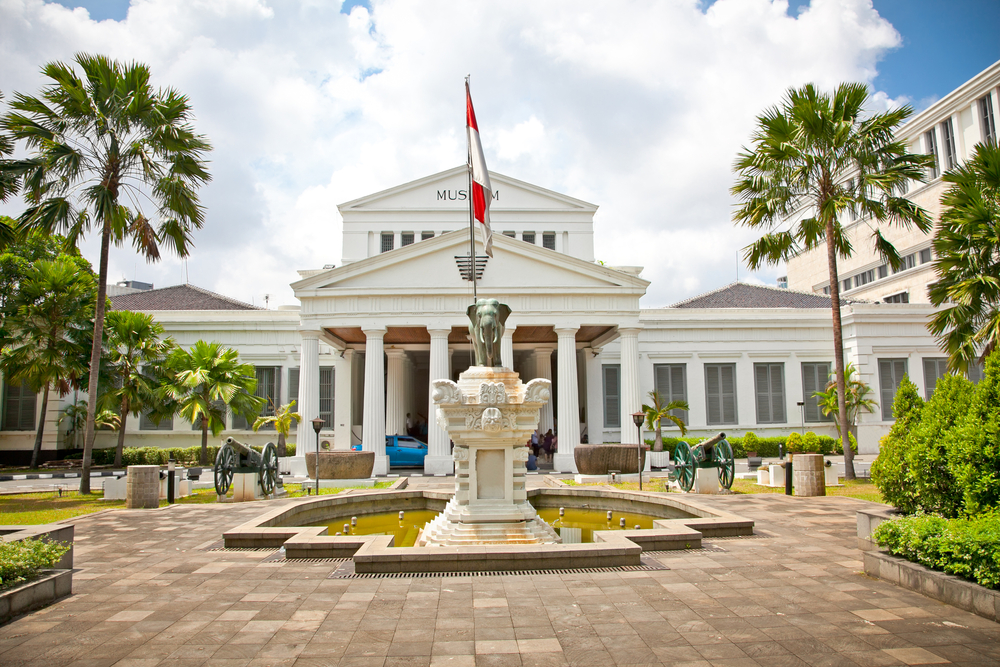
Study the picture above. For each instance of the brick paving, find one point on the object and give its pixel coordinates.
(149, 593)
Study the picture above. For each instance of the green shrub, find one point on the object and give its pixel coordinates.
(968, 548)
(793, 443)
(933, 485)
(810, 443)
(21, 560)
(289, 449)
(973, 446)
(890, 470)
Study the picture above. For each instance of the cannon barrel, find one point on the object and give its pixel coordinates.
(711, 441)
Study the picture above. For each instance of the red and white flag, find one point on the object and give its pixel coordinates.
(482, 193)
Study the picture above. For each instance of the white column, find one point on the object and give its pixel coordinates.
(373, 425)
(507, 347)
(631, 401)
(343, 400)
(395, 409)
(308, 403)
(543, 369)
(438, 460)
(569, 401)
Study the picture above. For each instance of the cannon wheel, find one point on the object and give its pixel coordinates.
(268, 468)
(723, 456)
(684, 465)
(225, 464)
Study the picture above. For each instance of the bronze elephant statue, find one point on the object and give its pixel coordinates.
(487, 318)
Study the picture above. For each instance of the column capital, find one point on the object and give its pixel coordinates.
(565, 332)
(545, 347)
(439, 332)
(309, 334)
(509, 328)
(394, 352)
(371, 332)
(629, 331)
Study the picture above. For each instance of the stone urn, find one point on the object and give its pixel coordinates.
(599, 459)
(341, 464)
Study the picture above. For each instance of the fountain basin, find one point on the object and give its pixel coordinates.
(341, 465)
(684, 523)
(600, 459)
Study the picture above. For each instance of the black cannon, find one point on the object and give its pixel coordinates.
(235, 457)
(715, 452)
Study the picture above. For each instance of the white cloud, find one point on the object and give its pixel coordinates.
(639, 107)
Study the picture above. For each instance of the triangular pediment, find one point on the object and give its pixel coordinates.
(448, 191)
(431, 266)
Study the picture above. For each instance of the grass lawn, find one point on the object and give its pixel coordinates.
(861, 489)
(298, 493)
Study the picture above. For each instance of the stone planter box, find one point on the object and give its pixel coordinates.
(937, 585)
(50, 586)
(599, 459)
(659, 459)
(808, 475)
(341, 464)
(763, 476)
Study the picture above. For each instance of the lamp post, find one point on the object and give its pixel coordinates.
(802, 414)
(317, 425)
(638, 418)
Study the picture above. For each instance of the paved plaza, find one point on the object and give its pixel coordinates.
(153, 590)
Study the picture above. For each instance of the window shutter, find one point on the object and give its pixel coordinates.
(293, 386)
(886, 389)
(933, 370)
(713, 395)
(326, 395)
(728, 382)
(612, 396)
(763, 392)
(678, 389)
(19, 407)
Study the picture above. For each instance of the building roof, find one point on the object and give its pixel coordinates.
(178, 297)
(745, 295)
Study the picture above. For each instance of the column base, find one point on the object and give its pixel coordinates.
(564, 462)
(439, 465)
(381, 467)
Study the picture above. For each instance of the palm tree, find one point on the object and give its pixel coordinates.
(50, 328)
(108, 152)
(856, 400)
(657, 412)
(202, 382)
(820, 155)
(283, 419)
(967, 246)
(134, 350)
(9, 183)
(75, 416)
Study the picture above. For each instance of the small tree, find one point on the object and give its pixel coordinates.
(967, 245)
(135, 349)
(201, 383)
(283, 419)
(657, 412)
(856, 400)
(890, 470)
(50, 329)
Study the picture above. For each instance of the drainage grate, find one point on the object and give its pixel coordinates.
(346, 571)
(705, 548)
(221, 546)
(279, 557)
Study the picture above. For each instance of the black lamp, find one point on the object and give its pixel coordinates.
(638, 418)
(317, 426)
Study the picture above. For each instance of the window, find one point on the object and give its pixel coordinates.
(769, 387)
(388, 241)
(147, 424)
(845, 284)
(528, 237)
(925, 255)
(883, 271)
(864, 278)
(902, 297)
(890, 373)
(815, 376)
(720, 393)
(826, 290)
(987, 123)
(612, 395)
(293, 386)
(671, 384)
(426, 235)
(269, 389)
(510, 234)
(948, 134)
(975, 372)
(405, 239)
(18, 407)
(909, 261)
(326, 396)
(930, 147)
(934, 368)
(549, 240)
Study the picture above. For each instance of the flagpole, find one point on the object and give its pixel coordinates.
(472, 215)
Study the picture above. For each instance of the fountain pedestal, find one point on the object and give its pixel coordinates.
(489, 414)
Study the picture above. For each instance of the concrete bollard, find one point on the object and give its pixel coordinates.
(809, 475)
(142, 489)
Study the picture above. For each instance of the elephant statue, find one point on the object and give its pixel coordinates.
(487, 317)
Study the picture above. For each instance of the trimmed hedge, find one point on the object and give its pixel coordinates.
(22, 559)
(765, 447)
(146, 456)
(968, 548)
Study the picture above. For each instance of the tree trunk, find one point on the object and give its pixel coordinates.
(281, 444)
(41, 429)
(658, 441)
(204, 441)
(838, 352)
(95, 357)
(120, 449)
